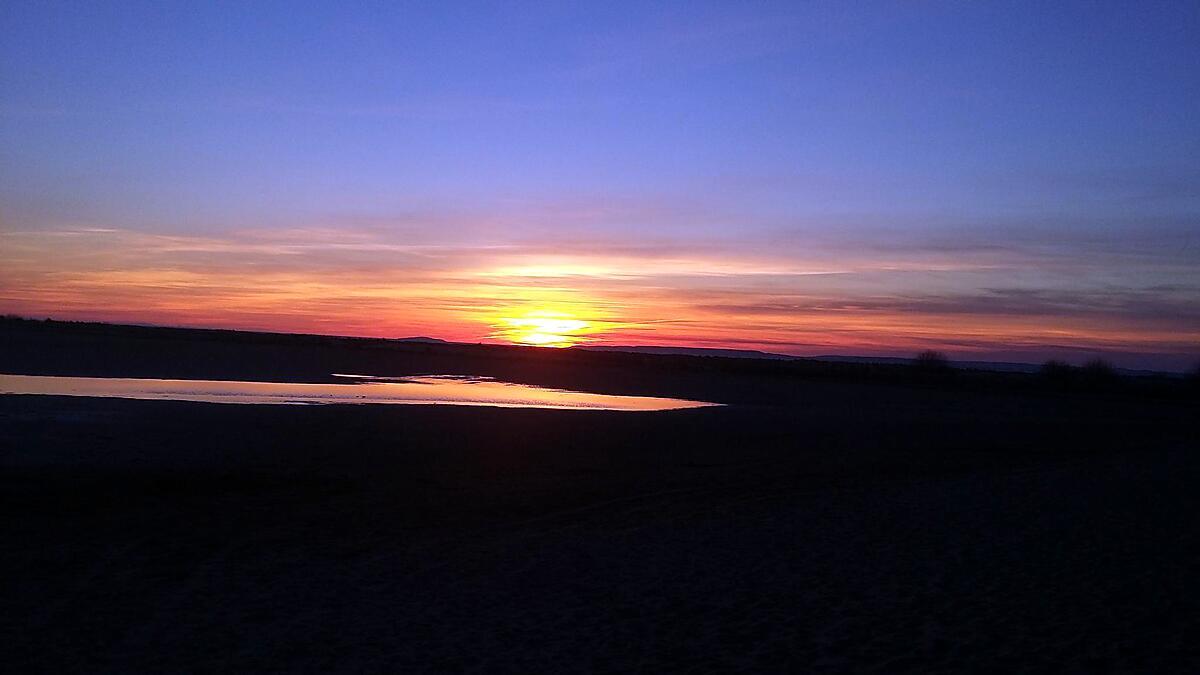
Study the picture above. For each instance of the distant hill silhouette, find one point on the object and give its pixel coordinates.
(995, 366)
(98, 349)
(690, 351)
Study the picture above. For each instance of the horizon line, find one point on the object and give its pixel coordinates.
(1090, 355)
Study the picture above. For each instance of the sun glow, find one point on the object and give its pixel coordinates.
(543, 328)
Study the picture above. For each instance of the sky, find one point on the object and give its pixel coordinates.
(997, 180)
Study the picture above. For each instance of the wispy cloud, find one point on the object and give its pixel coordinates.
(817, 298)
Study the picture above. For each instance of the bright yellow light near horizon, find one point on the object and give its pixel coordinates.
(543, 328)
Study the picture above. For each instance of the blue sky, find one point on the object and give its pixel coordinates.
(1057, 140)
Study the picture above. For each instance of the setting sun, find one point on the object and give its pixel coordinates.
(543, 328)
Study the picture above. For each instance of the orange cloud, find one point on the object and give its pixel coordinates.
(363, 282)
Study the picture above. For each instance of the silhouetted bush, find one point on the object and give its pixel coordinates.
(930, 361)
(1099, 371)
(1058, 371)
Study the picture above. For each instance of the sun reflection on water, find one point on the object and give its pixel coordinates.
(349, 389)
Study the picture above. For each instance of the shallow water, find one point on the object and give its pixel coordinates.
(424, 389)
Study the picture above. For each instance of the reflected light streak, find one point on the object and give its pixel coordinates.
(363, 389)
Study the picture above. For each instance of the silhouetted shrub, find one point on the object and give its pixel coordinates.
(1099, 371)
(1058, 371)
(930, 361)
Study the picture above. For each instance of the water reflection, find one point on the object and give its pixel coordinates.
(425, 389)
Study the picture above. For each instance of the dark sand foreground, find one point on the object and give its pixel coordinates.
(859, 532)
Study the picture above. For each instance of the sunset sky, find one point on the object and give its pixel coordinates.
(1006, 181)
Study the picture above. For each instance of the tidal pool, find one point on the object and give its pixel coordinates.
(423, 389)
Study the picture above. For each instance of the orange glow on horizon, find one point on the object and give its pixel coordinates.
(543, 328)
(737, 300)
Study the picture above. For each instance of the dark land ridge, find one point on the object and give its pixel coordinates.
(831, 517)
